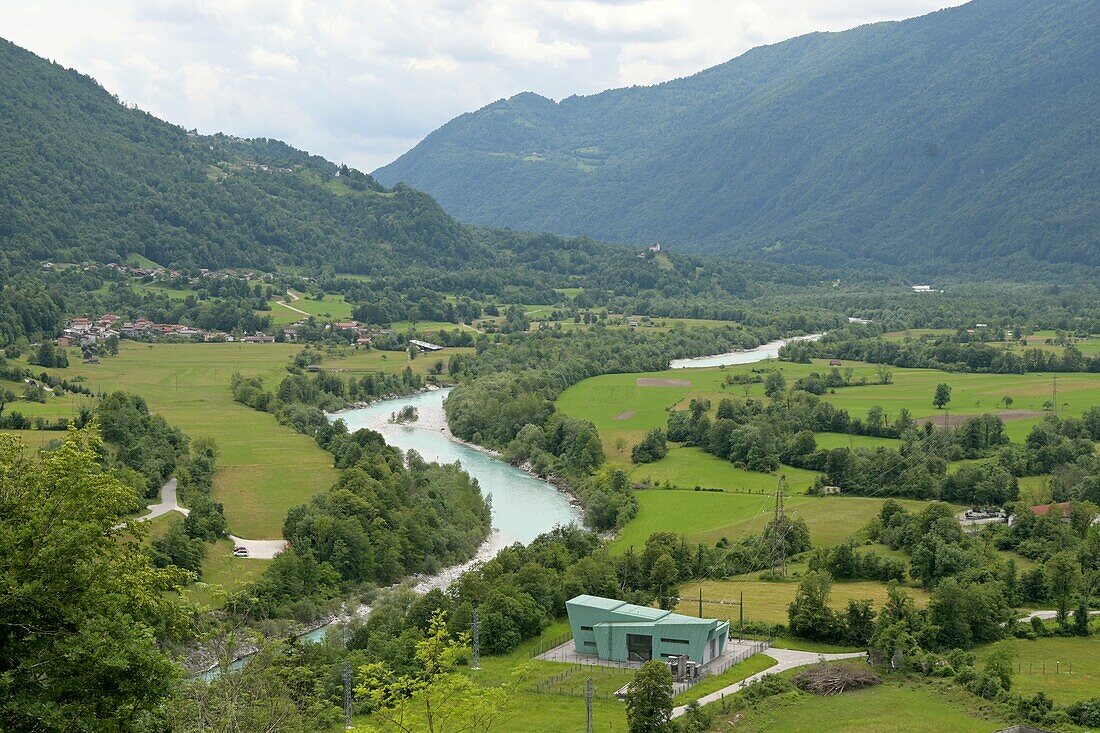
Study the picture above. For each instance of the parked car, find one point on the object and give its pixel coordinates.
(240, 552)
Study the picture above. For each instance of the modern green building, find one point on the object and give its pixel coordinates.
(623, 632)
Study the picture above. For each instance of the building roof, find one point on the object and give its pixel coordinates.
(642, 613)
(1043, 510)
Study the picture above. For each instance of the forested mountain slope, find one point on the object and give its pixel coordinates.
(963, 136)
(84, 177)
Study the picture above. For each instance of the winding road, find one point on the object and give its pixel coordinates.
(257, 549)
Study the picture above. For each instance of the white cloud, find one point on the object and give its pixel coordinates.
(362, 80)
(261, 58)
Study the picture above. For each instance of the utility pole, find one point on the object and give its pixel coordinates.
(741, 611)
(347, 696)
(475, 632)
(779, 529)
(700, 601)
(588, 706)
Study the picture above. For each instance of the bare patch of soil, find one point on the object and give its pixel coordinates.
(654, 382)
(955, 421)
(624, 415)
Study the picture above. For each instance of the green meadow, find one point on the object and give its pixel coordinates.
(709, 516)
(372, 360)
(1066, 668)
(329, 307)
(264, 468)
(895, 707)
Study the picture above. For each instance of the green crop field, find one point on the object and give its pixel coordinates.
(894, 707)
(1066, 668)
(767, 601)
(264, 468)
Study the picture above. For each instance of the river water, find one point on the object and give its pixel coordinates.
(523, 506)
(769, 350)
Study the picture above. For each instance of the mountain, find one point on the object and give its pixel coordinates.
(83, 177)
(965, 136)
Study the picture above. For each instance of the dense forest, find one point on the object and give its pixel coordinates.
(958, 137)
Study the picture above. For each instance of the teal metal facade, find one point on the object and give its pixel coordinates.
(620, 632)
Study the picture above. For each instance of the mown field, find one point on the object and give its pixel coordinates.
(708, 516)
(264, 468)
(767, 601)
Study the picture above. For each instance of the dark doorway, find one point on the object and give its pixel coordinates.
(639, 647)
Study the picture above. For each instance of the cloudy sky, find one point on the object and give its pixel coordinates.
(362, 82)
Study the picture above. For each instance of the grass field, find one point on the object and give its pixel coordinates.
(1066, 668)
(894, 707)
(768, 601)
(690, 467)
(263, 468)
(364, 360)
(35, 439)
(706, 516)
(330, 307)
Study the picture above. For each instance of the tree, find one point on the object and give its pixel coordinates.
(81, 610)
(1063, 577)
(884, 373)
(652, 448)
(942, 396)
(809, 615)
(436, 697)
(999, 666)
(775, 384)
(649, 699)
(1081, 617)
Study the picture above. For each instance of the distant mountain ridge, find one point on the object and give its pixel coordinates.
(969, 135)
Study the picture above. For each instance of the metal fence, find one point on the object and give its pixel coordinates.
(544, 646)
(575, 679)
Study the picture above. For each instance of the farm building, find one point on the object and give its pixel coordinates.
(623, 632)
(425, 346)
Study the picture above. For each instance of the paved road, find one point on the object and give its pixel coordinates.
(785, 659)
(257, 549)
(1048, 615)
(168, 502)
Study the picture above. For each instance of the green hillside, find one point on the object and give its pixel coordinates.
(964, 136)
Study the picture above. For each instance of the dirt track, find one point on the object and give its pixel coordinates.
(654, 382)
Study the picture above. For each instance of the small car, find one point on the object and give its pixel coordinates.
(240, 552)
